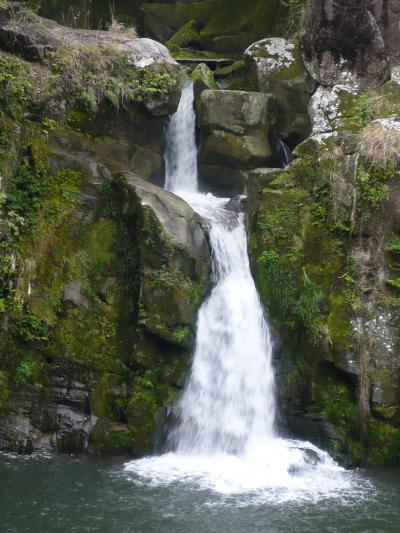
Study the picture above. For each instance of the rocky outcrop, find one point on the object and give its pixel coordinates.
(175, 263)
(100, 284)
(323, 236)
(58, 418)
(235, 129)
(280, 71)
(350, 43)
(115, 290)
(34, 37)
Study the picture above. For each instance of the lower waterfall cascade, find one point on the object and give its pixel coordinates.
(225, 437)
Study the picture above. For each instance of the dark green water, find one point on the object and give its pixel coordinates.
(61, 494)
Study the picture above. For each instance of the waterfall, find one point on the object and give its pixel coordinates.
(181, 151)
(224, 438)
(286, 153)
(228, 402)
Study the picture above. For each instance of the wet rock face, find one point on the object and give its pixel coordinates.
(343, 43)
(57, 418)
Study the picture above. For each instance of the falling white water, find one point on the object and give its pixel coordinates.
(287, 156)
(224, 439)
(181, 152)
(228, 402)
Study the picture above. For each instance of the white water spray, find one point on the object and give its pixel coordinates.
(225, 438)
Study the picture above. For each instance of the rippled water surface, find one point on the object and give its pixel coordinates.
(61, 494)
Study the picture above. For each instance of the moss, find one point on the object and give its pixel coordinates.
(151, 392)
(373, 182)
(110, 438)
(187, 35)
(87, 76)
(106, 400)
(333, 399)
(4, 394)
(253, 19)
(383, 443)
(247, 22)
(203, 78)
(339, 325)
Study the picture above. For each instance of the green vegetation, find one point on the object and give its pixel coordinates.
(24, 371)
(89, 75)
(373, 183)
(300, 309)
(361, 109)
(394, 246)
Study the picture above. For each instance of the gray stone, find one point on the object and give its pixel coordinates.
(234, 111)
(72, 293)
(59, 419)
(235, 128)
(183, 226)
(280, 71)
(344, 45)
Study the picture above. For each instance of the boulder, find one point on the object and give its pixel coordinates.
(34, 37)
(203, 78)
(226, 26)
(58, 417)
(188, 35)
(235, 128)
(344, 45)
(175, 261)
(279, 69)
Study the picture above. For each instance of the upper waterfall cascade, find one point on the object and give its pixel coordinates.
(224, 437)
(181, 151)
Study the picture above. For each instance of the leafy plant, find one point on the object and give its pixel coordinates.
(31, 328)
(309, 309)
(394, 246)
(373, 184)
(361, 108)
(24, 371)
(395, 283)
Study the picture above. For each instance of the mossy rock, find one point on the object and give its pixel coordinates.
(277, 64)
(238, 137)
(246, 22)
(203, 79)
(187, 35)
(110, 438)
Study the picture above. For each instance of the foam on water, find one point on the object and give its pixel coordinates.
(225, 438)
